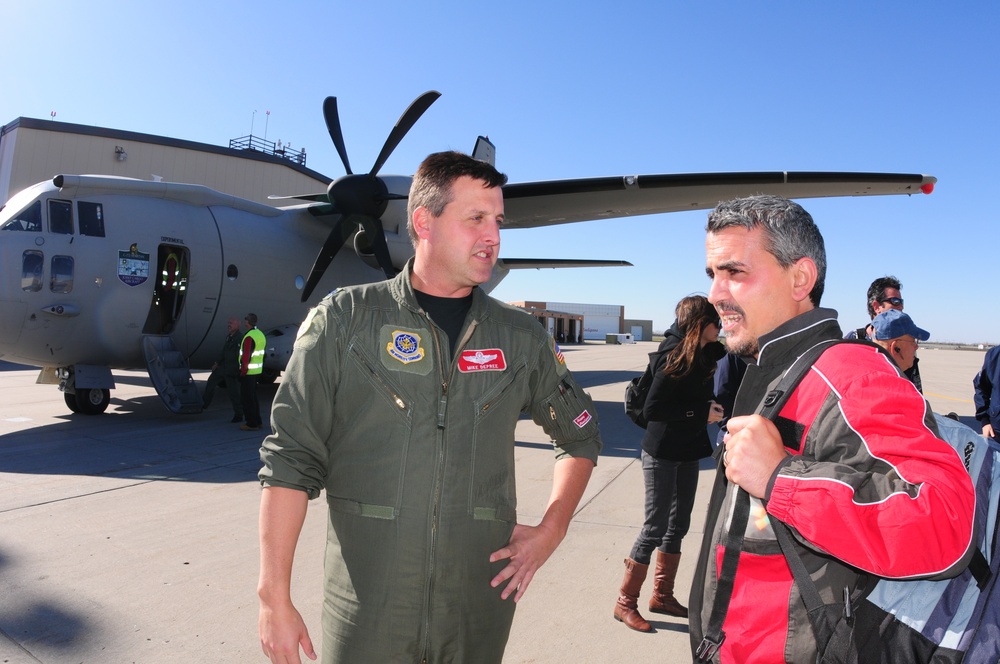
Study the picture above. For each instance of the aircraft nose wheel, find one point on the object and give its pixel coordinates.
(88, 401)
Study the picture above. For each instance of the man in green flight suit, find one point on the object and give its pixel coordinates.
(400, 401)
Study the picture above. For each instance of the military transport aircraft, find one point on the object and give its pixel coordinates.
(99, 272)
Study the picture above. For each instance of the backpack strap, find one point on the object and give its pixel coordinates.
(771, 405)
(714, 634)
(980, 568)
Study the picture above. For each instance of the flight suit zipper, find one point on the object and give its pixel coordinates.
(398, 400)
(445, 370)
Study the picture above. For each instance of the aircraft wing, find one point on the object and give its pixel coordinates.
(505, 265)
(532, 204)
(538, 263)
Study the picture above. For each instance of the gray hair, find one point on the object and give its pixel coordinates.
(789, 230)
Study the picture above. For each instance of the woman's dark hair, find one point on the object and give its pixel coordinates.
(694, 313)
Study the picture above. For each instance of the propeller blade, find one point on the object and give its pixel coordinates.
(341, 231)
(403, 125)
(322, 210)
(376, 238)
(333, 126)
(392, 197)
(316, 198)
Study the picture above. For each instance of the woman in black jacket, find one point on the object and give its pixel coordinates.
(679, 408)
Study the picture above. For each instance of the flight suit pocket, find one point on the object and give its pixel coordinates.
(567, 413)
(372, 439)
(492, 490)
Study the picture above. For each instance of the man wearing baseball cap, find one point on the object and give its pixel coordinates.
(895, 331)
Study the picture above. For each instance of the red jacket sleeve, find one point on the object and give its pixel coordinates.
(874, 487)
(246, 352)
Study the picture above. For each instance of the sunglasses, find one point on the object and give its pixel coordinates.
(894, 301)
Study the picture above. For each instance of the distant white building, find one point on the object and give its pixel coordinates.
(599, 320)
(593, 321)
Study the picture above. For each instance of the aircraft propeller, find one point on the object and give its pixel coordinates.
(360, 200)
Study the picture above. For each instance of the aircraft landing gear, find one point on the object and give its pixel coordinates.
(88, 401)
(92, 401)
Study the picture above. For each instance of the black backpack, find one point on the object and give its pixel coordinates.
(637, 389)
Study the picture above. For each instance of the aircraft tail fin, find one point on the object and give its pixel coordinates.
(485, 151)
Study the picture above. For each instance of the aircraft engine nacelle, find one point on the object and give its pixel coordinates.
(278, 348)
(400, 248)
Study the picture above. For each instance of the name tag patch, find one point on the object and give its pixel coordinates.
(582, 419)
(487, 359)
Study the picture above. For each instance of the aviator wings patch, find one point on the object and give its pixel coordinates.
(486, 359)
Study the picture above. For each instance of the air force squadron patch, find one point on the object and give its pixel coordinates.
(405, 351)
(405, 347)
(488, 359)
(133, 266)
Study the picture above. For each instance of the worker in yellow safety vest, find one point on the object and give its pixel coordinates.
(251, 366)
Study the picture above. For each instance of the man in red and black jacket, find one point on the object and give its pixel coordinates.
(852, 464)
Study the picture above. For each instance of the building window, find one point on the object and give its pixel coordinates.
(62, 274)
(91, 218)
(31, 271)
(61, 217)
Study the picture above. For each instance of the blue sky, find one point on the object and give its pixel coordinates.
(583, 89)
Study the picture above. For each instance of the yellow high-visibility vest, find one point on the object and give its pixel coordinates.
(256, 365)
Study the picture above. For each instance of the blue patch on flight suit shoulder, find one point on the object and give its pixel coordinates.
(406, 350)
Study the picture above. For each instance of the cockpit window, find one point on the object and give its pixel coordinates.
(28, 219)
(31, 271)
(61, 217)
(91, 218)
(62, 274)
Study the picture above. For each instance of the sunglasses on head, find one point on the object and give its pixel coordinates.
(894, 301)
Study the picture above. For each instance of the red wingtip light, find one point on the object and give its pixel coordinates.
(927, 188)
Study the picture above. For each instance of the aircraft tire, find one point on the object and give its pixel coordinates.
(92, 401)
(71, 402)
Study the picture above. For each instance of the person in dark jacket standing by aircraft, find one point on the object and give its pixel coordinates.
(678, 410)
(227, 370)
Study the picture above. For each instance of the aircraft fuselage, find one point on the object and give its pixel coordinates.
(92, 266)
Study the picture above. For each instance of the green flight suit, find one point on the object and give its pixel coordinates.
(416, 453)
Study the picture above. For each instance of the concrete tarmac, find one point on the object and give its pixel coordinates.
(132, 536)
